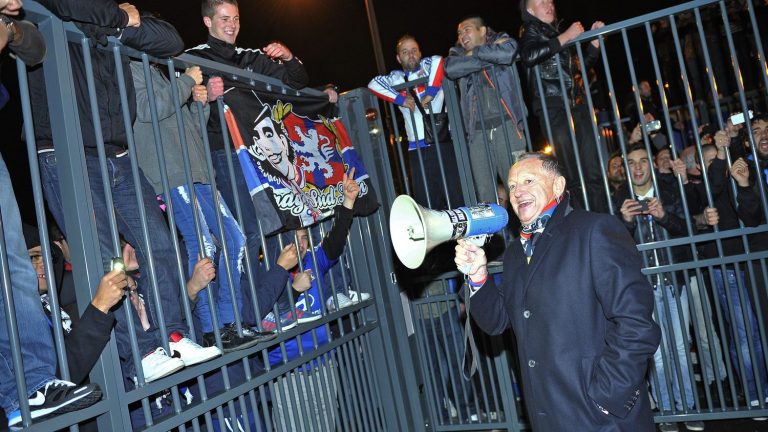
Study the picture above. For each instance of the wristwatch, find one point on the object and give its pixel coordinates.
(9, 26)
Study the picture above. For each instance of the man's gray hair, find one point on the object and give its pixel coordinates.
(548, 162)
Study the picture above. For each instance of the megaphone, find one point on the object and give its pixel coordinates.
(416, 230)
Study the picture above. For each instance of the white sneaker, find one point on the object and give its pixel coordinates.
(190, 352)
(157, 364)
(358, 297)
(344, 301)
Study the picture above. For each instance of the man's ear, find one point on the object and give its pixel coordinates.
(559, 186)
(207, 21)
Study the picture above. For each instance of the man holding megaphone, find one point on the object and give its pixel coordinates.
(581, 310)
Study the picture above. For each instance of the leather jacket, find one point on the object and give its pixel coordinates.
(538, 46)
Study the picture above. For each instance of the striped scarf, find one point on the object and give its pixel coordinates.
(529, 233)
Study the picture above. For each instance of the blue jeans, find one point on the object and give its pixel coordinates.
(250, 224)
(739, 339)
(667, 317)
(209, 227)
(35, 341)
(129, 225)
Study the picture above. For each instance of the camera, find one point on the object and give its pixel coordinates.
(652, 126)
(117, 264)
(643, 204)
(738, 118)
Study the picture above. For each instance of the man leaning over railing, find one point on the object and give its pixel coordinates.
(47, 395)
(222, 19)
(491, 107)
(542, 44)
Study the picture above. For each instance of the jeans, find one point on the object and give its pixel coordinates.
(209, 227)
(505, 144)
(129, 226)
(250, 225)
(739, 338)
(708, 350)
(667, 317)
(36, 344)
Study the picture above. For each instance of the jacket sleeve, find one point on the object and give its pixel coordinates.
(86, 341)
(291, 72)
(381, 86)
(487, 308)
(534, 48)
(270, 288)
(336, 238)
(162, 96)
(626, 299)
(748, 206)
(155, 37)
(591, 56)
(458, 65)
(501, 52)
(104, 13)
(28, 44)
(436, 75)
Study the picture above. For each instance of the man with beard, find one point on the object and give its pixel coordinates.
(422, 107)
(615, 172)
(491, 106)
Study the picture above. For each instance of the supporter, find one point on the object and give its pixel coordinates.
(541, 44)
(222, 19)
(615, 172)
(192, 97)
(422, 107)
(315, 267)
(491, 107)
(48, 396)
(651, 215)
(99, 19)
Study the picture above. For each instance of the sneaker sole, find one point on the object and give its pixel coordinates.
(244, 345)
(75, 404)
(203, 359)
(172, 366)
(309, 318)
(290, 326)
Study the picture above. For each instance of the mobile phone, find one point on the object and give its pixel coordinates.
(643, 205)
(738, 118)
(653, 126)
(117, 264)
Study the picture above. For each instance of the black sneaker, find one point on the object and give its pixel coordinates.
(231, 341)
(57, 397)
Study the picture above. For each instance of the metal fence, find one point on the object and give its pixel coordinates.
(704, 61)
(394, 361)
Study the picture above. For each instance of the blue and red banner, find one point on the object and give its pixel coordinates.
(293, 151)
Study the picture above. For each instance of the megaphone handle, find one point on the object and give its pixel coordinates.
(478, 240)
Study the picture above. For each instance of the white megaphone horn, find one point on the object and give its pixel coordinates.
(416, 230)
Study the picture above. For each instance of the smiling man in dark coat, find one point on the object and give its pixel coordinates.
(578, 303)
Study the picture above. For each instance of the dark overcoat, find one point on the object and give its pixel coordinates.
(582, 315)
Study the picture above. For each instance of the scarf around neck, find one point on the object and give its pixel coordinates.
(528, 233)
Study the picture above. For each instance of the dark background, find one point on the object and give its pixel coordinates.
(333, 39)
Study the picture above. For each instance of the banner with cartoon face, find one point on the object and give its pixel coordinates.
(292, 150)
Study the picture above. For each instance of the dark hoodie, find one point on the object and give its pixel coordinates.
(538, 46)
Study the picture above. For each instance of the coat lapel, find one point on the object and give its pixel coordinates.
(546, 240)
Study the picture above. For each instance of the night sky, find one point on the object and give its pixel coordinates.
(332, 36)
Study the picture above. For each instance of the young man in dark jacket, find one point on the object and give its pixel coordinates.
(541, 44)
(99, 19)
(222, 19)
(492, 107)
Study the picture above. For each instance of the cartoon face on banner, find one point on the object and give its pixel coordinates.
(300, 160)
